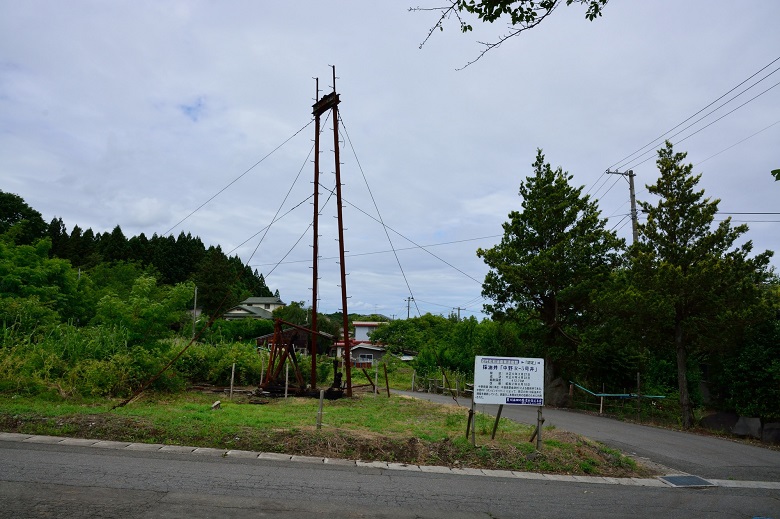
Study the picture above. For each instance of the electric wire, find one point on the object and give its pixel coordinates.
(736, 143)
(654, 141)
(703, 127)
(399, 249)
(305, 232)
(201, 206)
(417, 245)
(379, 214)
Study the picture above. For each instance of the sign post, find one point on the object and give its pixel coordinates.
(510, 381)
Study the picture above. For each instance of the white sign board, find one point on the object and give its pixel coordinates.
(508, 380)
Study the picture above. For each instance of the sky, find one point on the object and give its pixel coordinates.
(196, 116)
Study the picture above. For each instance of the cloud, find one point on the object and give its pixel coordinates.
(194, 110)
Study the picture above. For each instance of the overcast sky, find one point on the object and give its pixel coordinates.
(136, 113)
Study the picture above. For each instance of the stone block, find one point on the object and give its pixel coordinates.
(771, 432)
(747, 426)
(720, 421)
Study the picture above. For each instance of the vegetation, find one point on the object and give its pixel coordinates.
(521, 15)
(688, 308)
(397, 429)
(554, 255)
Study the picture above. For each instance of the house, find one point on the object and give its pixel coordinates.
(364, 328)
(254, 308)
(362, 351)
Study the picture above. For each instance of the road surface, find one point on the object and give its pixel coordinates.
(704, 456)
(75, 478)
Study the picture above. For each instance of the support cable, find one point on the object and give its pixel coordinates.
(376, 207)
(237, 179)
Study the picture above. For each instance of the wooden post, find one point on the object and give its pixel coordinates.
(319, 413)
(286, 377)
(495, 425)
(539, 424)
(232, 378)
(473, 425)
(601, 404)
(638, 400)
(414, 373)
(376, 380)
(387, 380)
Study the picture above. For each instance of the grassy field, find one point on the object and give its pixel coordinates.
(365, 427)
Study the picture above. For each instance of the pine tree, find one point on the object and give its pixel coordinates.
(699, 286)
(553, 254)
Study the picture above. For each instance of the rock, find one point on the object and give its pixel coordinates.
(747, 427)
(771, 433)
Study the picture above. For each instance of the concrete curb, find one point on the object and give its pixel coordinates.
(380, 465)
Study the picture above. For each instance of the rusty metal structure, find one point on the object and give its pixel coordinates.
(282, 349)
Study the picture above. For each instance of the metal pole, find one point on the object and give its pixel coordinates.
(315, 240)
(339, 211)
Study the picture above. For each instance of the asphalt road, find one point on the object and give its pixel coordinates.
(704, 456)
(45, 477)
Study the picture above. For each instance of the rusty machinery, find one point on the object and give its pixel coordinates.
(282, 349)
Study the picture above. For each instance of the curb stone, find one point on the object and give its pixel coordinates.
(430, 469)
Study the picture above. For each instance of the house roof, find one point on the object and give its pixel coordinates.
(262, 300)
(366, 347)
(248, 311)
(367, 324)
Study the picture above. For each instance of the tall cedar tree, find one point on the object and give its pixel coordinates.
(553, 255)
(691, 277)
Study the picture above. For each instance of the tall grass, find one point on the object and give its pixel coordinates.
(100, 361)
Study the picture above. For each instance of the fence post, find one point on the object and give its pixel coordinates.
(638, 400)
(286, 377)
(232, 378)
(319, 413)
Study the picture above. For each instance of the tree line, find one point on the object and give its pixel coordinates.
(222, 280)
(689, 306)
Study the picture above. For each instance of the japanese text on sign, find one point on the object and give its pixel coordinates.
(508, 380)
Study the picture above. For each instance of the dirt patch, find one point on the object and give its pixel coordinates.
(563, 452)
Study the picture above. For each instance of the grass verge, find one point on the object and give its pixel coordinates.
(365, 427)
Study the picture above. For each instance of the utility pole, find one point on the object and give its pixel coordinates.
(630, 174)
(458, 309)
(408, 301)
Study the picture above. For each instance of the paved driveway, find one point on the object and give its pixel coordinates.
(704, 456)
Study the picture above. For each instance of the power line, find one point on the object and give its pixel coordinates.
(359, 254)
(381, 220)
(201, 206)
(709, 124)
(654, 141)
(736, 143)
